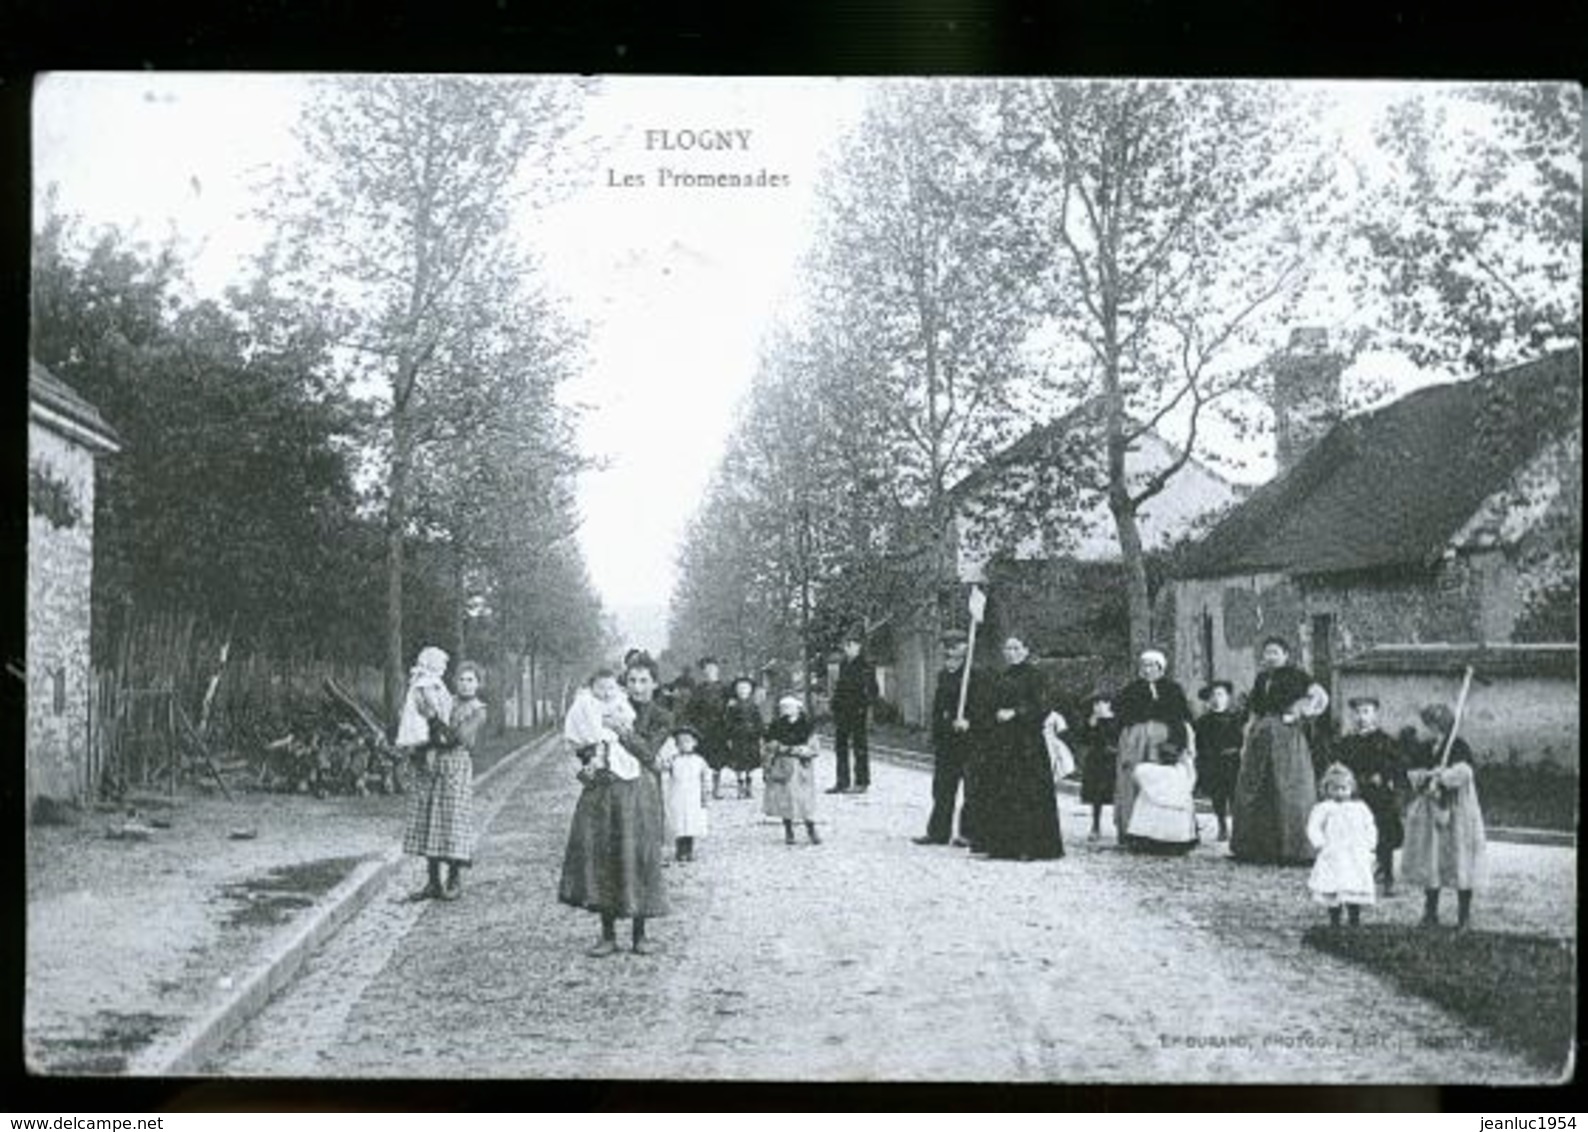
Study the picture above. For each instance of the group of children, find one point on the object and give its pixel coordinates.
(784, 750)
(1373, 800)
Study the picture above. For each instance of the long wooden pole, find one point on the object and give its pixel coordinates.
(964, 676)
(1461, 707)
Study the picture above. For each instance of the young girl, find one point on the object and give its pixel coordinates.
(1342, 831)
(1098, 739)
(1445, 841)
(441, 815)
(1164, 818)
(684, 790)
(742, 730)
(790, 772)
(599, 713)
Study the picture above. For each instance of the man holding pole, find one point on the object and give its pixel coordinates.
(959, 717)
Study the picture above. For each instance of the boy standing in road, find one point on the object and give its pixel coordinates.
(854, 692)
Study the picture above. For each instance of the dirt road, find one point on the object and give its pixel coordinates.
(865, 958)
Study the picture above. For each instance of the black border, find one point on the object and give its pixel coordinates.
(942, 37)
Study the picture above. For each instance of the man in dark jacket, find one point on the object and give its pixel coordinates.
(853, 694)
(953, 743)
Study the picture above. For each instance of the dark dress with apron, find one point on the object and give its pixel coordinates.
(1151, 712)
(613, 863)
(1276, 788)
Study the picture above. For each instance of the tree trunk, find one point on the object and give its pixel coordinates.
(534, 690)
(460, 600)
(1135, 563)
(396, 521)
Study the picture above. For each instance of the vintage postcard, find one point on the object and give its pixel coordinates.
(803, 579)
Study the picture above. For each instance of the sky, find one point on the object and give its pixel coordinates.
(677, 286)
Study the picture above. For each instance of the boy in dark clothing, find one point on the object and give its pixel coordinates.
(1380, 769)
(854, 692)
(953, 744)
(1219, 732)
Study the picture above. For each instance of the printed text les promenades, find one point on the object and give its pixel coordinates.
(710, 141)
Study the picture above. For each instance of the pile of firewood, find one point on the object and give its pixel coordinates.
(333, 747)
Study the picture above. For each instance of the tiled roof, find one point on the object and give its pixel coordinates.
(50, 391)
(1485, 660)
(1391, 487)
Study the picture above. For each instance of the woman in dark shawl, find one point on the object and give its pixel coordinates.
(1276, 789)
(613, 863)
(1021, 816)
(1152, 710)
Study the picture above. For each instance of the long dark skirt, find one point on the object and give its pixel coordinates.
(1274, 795)
(1020, 820)
(613, 863)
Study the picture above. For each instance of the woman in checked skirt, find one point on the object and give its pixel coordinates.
(441, 814)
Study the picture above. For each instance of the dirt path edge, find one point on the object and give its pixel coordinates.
(190, 1047)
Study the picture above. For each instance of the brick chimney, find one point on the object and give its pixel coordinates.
(1306, 393)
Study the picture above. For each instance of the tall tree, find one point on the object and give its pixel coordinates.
(402, 201)
(1169, 225)
(1473, 240)
(233, 497)
(924, 316)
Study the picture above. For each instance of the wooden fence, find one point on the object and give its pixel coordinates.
(161, 666)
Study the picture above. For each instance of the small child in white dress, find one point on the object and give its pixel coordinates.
(685, 784)
(598, 712)
(1164, 818)
(1342, 830)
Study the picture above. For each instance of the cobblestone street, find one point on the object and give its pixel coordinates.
(864, 958)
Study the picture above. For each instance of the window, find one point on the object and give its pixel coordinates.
(1207, 648)
(1323, 649)
(58, 681)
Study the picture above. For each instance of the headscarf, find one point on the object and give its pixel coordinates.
(1155, 654)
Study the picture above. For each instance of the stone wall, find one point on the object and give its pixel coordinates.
(1470, 598)
(60, 573)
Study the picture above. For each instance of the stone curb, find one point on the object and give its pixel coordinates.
(1552, 838)
(189, 1048)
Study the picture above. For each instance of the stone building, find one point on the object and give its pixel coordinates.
(66, 435)
(1424, 521)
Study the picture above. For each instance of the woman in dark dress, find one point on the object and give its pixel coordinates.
(613, 863)
(1021, 816)
(1276, 789)
(1152, 711)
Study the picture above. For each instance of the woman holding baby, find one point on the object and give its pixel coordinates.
(613, 863)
